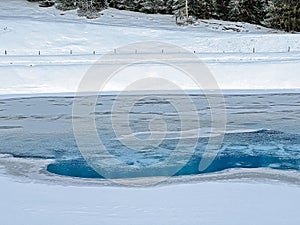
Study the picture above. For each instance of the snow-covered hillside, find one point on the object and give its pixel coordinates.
(26, 28)
(226, 47)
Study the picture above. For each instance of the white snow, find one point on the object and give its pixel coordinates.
(239, 196)
(26, 29)
(214, 203)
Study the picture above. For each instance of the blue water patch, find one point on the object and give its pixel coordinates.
(262, 132)
(73, 168)
(259, 149)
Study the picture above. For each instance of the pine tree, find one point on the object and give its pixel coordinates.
(251, 11)
(153, 6)
(65, 4)
(179, 10)
(221, 9)
(201, 9)
(122, 4)
(169, 5)
(285, 15)
(235, 10)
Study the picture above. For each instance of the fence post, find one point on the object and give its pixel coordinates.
(39, 52)
(162, 51)
(254, 50)
(94, 52)
(289, 49)
(135, 51)
(115, 51)
(5, 52)
(71, 52)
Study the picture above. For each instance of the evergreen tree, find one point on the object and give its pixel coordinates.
(179, 10)
(169, 6)
(285, 15)
(201, 9)
(251, 11)
(65, 4)
(221, 9)
(122, 4)
(234, 10)
(153, 6)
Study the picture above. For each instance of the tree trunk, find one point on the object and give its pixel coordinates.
(187, 10)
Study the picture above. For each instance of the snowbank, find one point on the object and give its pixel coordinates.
(233, 197)
(214, 203)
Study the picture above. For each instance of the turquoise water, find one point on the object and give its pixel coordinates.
(260, 149)
(262, 132)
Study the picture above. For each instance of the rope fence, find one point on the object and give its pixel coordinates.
(137, 51)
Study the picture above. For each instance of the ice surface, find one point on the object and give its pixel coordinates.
(228, 54)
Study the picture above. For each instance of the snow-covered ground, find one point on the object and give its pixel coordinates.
(255, 196)
(226, 48)
(26, 29)
(214, 203)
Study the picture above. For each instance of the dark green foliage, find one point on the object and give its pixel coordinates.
(65, 5)
(169, 6)
(285, 15)
(90, 5)
(154, 6)
(132, 5)
(178, 9)
(145, 6)
(221, 9)
(201, 9)
(252, 11)
(47, 3)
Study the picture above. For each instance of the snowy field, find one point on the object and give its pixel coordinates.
(27, 197)
(26, 29)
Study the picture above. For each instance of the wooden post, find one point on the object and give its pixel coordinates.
(39, 52)
(94, 52)
(71, 52)
(254, 50)
(5, 52)
(289, 49)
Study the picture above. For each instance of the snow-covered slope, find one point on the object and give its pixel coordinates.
(30, 29)
(226, 47)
